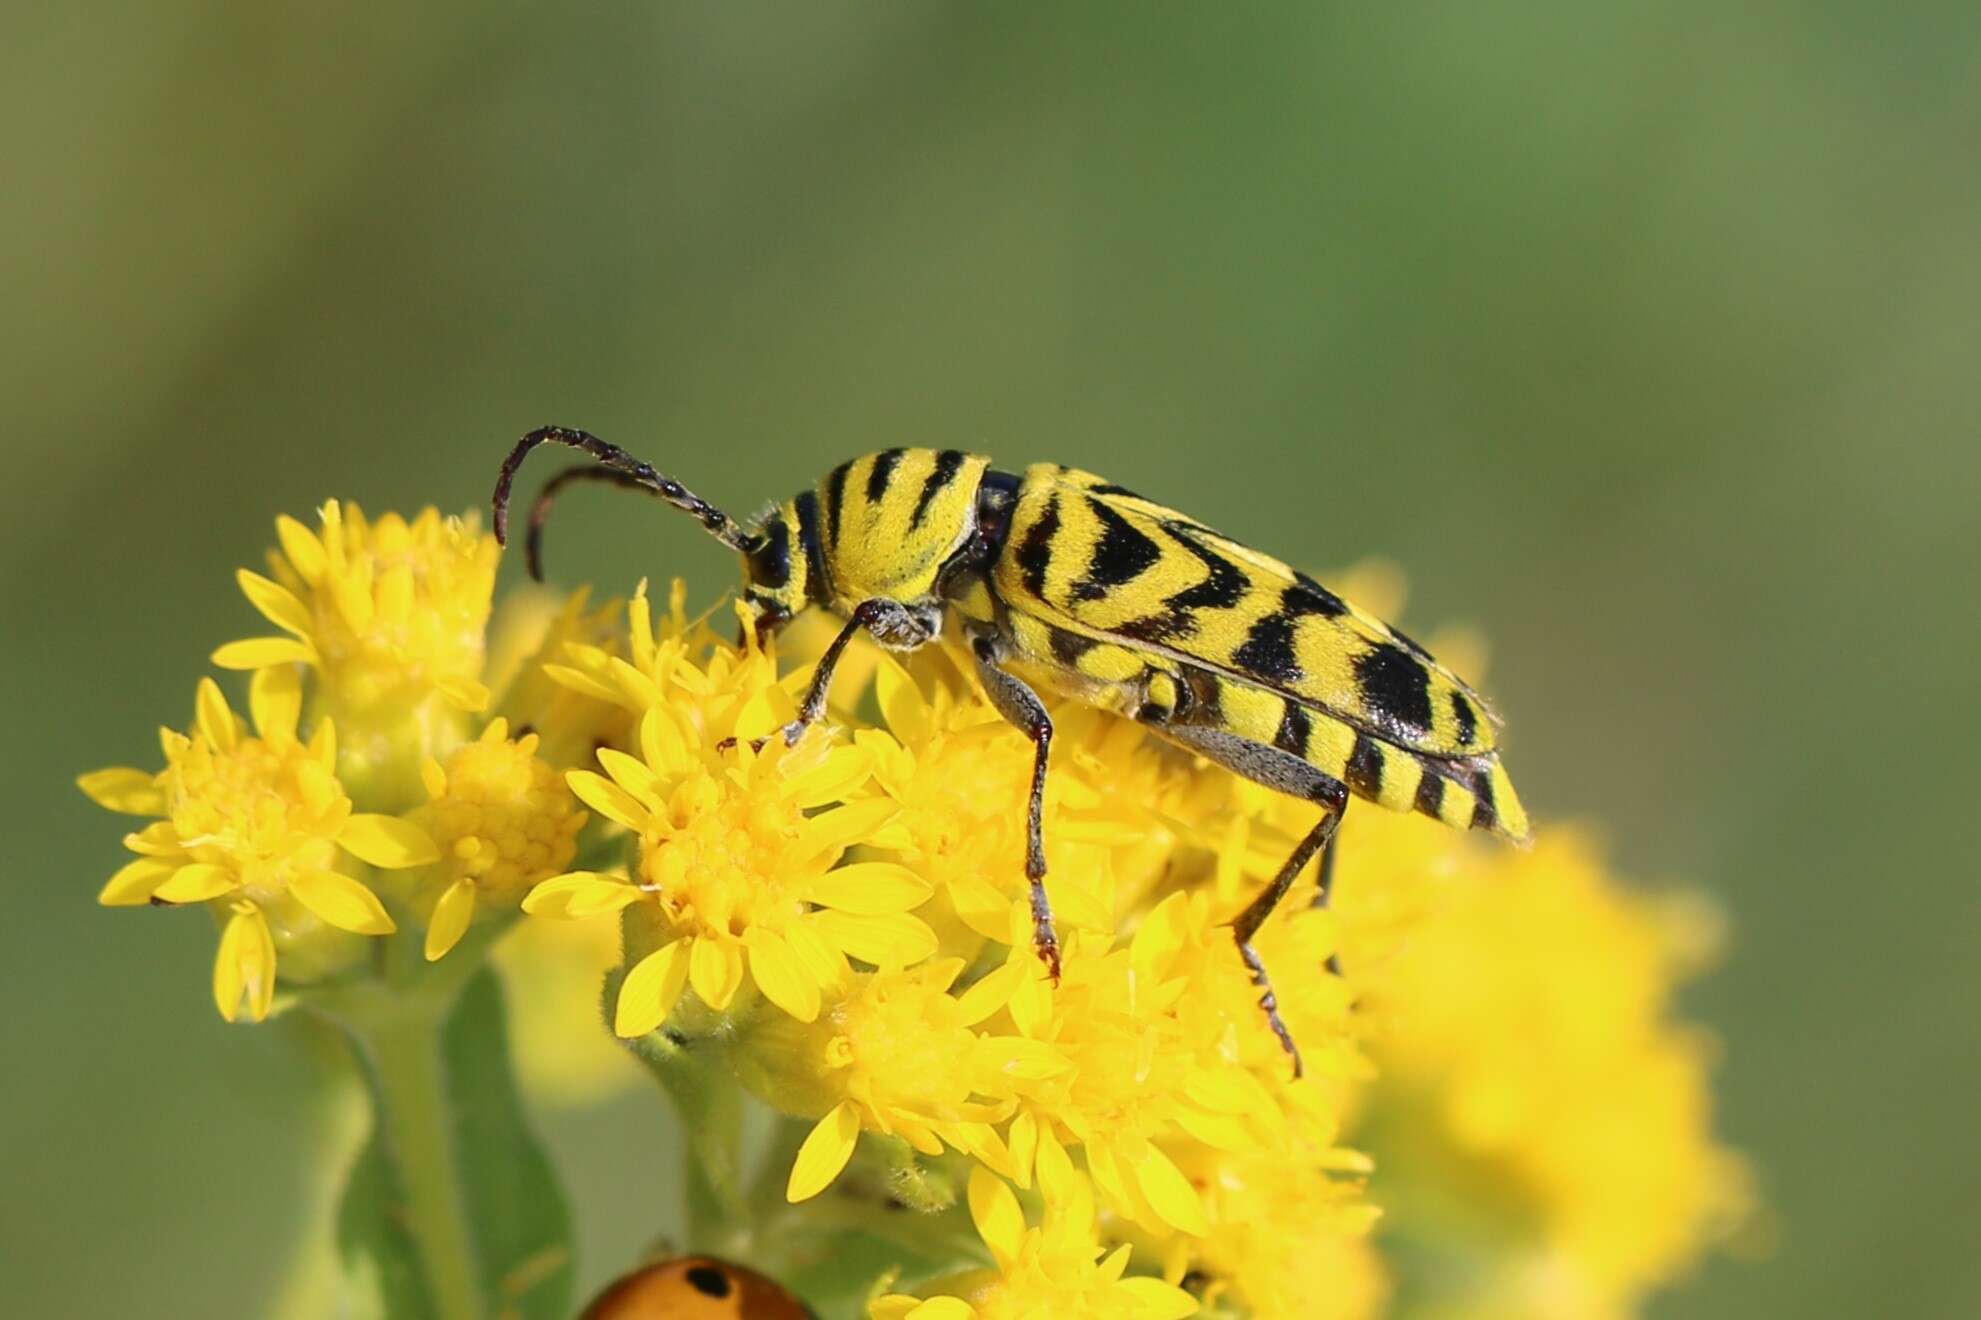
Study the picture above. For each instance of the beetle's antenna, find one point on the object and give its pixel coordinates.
(540, 510)
(627, 470)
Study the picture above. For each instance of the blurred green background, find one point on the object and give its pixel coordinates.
(1643, 335)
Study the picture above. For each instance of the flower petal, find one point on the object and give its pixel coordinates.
(275, 703)
(631, 774)
(299, 544)
(245, 964)
(943, 1308)
(778, 972)
(892, 940)
(1156, 1300)
(715, 969)
(277, 603)
(135, 882)
(856, 822)
(580, 894)
(343, 902)
(837, 774)
(213, 716)
(463, 694)
(994, 1209)
(650, 990)
(197, 883)
(1169, 1192)
(450, 918)
(387, 841)
(607, 799)
(870, 889)
(824, 1153)
(260, 652)
(123, 788)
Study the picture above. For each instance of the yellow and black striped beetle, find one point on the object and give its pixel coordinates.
(1066, 581)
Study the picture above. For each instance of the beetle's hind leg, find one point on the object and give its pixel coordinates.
(1324, 890)
(1294, 777)
(1021, 706)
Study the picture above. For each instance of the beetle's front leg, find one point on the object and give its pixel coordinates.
(886, 617)
(1021, 706)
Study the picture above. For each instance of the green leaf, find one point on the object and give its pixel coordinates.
(521, 1222)
(379, 1257)
(452, 1169)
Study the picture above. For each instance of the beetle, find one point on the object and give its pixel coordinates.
(1062, 580)
(696, 1288)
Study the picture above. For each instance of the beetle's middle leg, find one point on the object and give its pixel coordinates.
(1021, 706)
(1286, 773)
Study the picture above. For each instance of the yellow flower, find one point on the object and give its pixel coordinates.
(501, 820)
(390, 615)
(1056, 1268)
(960, 775)
(737, 862)
(534, 626)
(1531, 1071)
(1156, 1061)
(258, 828)
(895, 1052)
(1288, 1232)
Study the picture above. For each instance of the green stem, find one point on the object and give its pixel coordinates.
(394, 1025)
(409, 1086)
(711, 1121)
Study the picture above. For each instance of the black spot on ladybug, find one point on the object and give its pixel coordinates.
(708, 1280)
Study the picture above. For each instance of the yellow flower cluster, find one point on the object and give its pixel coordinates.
(840, 926)
(1530, 1073)
(301, 833)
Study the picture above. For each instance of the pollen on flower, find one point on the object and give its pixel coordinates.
(501, 819)
(258, 827)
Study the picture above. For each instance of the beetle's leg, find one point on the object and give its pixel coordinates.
(1287, 774)
(1324, 890)
(540, 509)
(888, 615)
(1021, 706)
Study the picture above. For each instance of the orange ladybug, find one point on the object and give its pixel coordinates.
(696, 1288)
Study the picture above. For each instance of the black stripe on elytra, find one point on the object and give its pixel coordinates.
(1410, 643)
(1468, 719)
(1485, 812)
(1122, 554)
(1295, 726)
(1430, 792)
(1223, 585)
(1396, 685)
(1068, 647)
(835, 501)
(1164, 627)
(808, 540)
(1307, 596)
(1120, 492)
(881, 474)
(1035, 551)
(1365, 766)
(947, 464)
(1267, 651)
